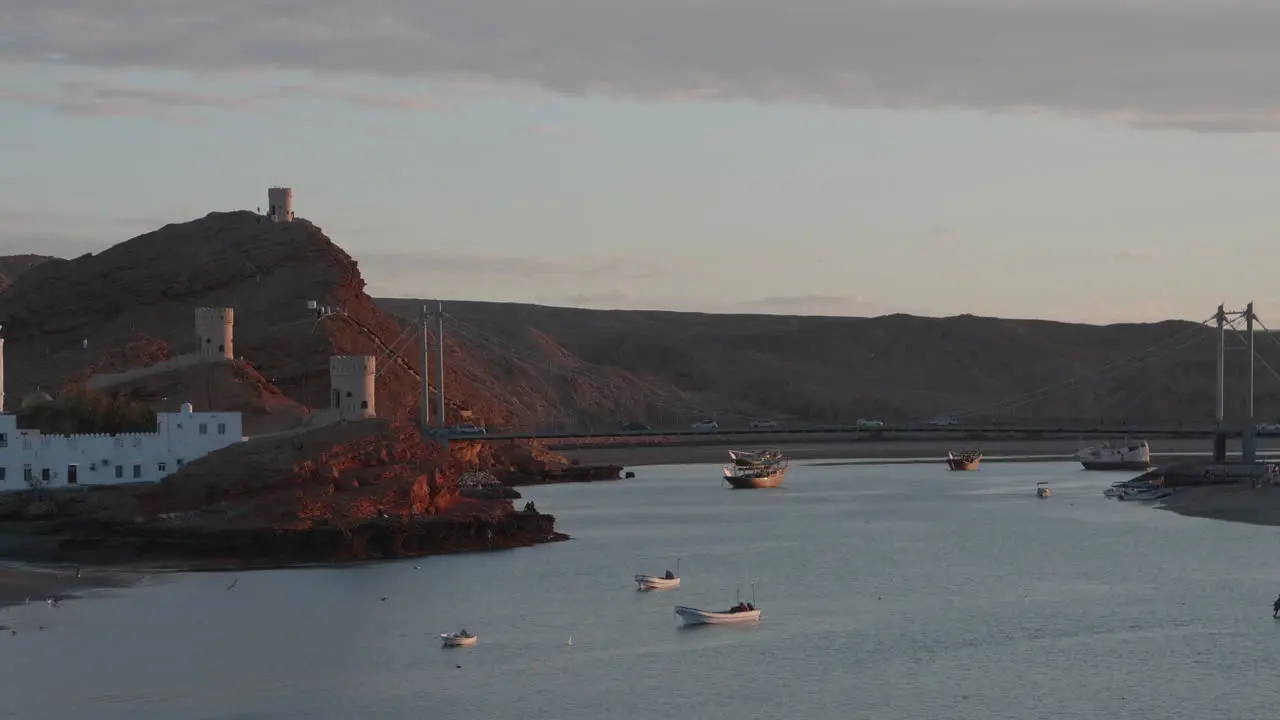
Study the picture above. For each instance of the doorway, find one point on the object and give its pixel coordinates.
(72, 474)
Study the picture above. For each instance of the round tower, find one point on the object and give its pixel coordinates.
(351, 382)
(214, 330)
(280, 204)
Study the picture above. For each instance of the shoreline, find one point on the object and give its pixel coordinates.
(870, 450)
(1237, 503)
(22, 581)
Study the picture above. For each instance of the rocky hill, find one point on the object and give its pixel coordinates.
(132, 305)
(669, 369)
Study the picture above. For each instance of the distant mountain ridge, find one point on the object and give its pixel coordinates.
(671, 368)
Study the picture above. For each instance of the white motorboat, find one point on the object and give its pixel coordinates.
(461, 638)
(667, 581)
(1146, 495)
(740, 613)
(1131, 456)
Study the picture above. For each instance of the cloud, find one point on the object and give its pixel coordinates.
(396, 273)
(105, 99)
(1202, 65)
(830, 305)
(1137, 254)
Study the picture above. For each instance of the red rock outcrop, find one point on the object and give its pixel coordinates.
(133, 304)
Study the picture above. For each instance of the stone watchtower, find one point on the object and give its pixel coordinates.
(280, 204)
(214, 330)
(351, 379)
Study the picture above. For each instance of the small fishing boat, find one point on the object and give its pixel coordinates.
(667, 581)
(1042, 489)
(964, 460)
(1147, 495)
(755, 469)
(462, 638)
(741, 612)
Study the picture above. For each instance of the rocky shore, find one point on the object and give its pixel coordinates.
(356, 491)
(1237, 502)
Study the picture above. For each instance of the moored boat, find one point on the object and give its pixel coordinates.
(964, 460)
(740, 613)
(666, 581)
(461, 638)
(1042, 489)
(1131, 456)
(1154, 493)
(756, 469)
(750, 458)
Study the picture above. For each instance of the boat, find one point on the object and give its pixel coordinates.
(758, 469)
(964, 460)
(1128, 487)
(750, 458)
(1146, 495)
(1042, 489)
(1132, 456)
(462, 638)
(667, 581)
(741, 612)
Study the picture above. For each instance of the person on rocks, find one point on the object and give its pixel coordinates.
(1275, 608)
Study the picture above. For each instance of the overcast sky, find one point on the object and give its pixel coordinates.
(1075, 160)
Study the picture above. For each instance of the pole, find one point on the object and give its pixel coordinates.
(1249, 320)
(439, 364)
(426, 354)
(1222, 342)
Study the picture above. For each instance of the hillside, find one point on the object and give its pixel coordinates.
(575, 366)
(132, 305)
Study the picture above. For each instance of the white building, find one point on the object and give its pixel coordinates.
(60, 460)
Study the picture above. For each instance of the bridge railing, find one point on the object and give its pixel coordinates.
(1204, 429)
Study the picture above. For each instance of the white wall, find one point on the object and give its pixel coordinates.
(111, 459)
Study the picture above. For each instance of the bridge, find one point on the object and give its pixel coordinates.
(958, 424)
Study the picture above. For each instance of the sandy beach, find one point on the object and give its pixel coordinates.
(20, 582)
(927, 450)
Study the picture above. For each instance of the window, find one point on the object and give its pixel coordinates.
(204, 428)
(26, 473)
(3, 474)
(337, 398)
(348, 393)
(221, 349)
(4, 439)
(137, 471)
(364, 404)
(180, 461)
(222, 428)
(161, 467)
(119, 471)
(45, 475)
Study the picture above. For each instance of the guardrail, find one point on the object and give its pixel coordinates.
(887, 430)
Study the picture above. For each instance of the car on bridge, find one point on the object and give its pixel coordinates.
(1267, 428)
(764, 425)
(635, 427)
(467, 429)
(705, 425)
(865, 424)
(942, 421)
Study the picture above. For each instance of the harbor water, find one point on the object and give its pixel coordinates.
(888, 591)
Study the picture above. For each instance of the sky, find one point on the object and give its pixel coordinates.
(1063, 159)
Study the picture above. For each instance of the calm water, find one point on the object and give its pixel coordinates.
(887, 591)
